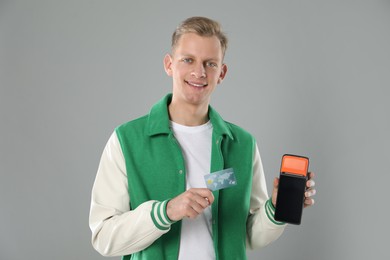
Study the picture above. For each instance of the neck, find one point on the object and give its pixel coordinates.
(188, 115)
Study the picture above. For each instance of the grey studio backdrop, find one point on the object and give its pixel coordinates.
(305, 77)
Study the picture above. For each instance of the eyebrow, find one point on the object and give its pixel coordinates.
(192, 56)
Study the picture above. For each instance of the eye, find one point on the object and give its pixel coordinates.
(187, 60)
(211, 64)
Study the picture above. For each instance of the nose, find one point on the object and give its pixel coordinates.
(199, 71)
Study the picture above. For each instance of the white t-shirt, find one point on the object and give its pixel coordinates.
(196, 241)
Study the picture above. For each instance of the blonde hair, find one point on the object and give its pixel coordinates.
(202, 26)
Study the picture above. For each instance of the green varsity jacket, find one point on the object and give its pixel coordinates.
(156, 171)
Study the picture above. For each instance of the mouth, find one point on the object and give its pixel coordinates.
(196, 84)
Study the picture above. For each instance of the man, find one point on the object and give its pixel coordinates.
(150, 199)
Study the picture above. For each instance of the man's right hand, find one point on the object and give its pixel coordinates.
(189, 204)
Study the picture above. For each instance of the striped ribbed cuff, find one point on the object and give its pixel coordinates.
(270, 210)
(159, 215)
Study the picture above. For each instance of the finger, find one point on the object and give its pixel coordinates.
(311, 175)
(194, 209)
(275, 190)
(308, 202)
(276, 182)
(310, 183)
(187, 206)
(309, 193)
(196, 205)
(204, 193)
(192, 213)
(202, 201)
(210, 198)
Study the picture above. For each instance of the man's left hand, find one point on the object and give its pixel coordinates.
(310, 191)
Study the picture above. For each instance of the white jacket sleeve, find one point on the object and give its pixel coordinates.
(117, 230)
(262, 228)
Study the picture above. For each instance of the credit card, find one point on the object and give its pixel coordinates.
(221, 179)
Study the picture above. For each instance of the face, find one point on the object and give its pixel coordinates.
(196, 68)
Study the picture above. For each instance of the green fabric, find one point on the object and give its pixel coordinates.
(270, 210)
(156, 171)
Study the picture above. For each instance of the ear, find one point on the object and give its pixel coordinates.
(168, 64)
(223, 73)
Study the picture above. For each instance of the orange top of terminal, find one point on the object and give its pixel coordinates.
(295, 165)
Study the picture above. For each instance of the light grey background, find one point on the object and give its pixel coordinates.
(305, 77)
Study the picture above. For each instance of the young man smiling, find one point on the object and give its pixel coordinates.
(150, 199)
(196, 67)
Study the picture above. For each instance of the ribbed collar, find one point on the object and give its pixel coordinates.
(158, 120)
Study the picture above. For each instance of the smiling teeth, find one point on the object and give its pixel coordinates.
(197, 85)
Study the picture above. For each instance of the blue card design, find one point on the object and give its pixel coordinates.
(221, 179)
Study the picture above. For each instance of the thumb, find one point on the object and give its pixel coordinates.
(276, 182)
(275, 190)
